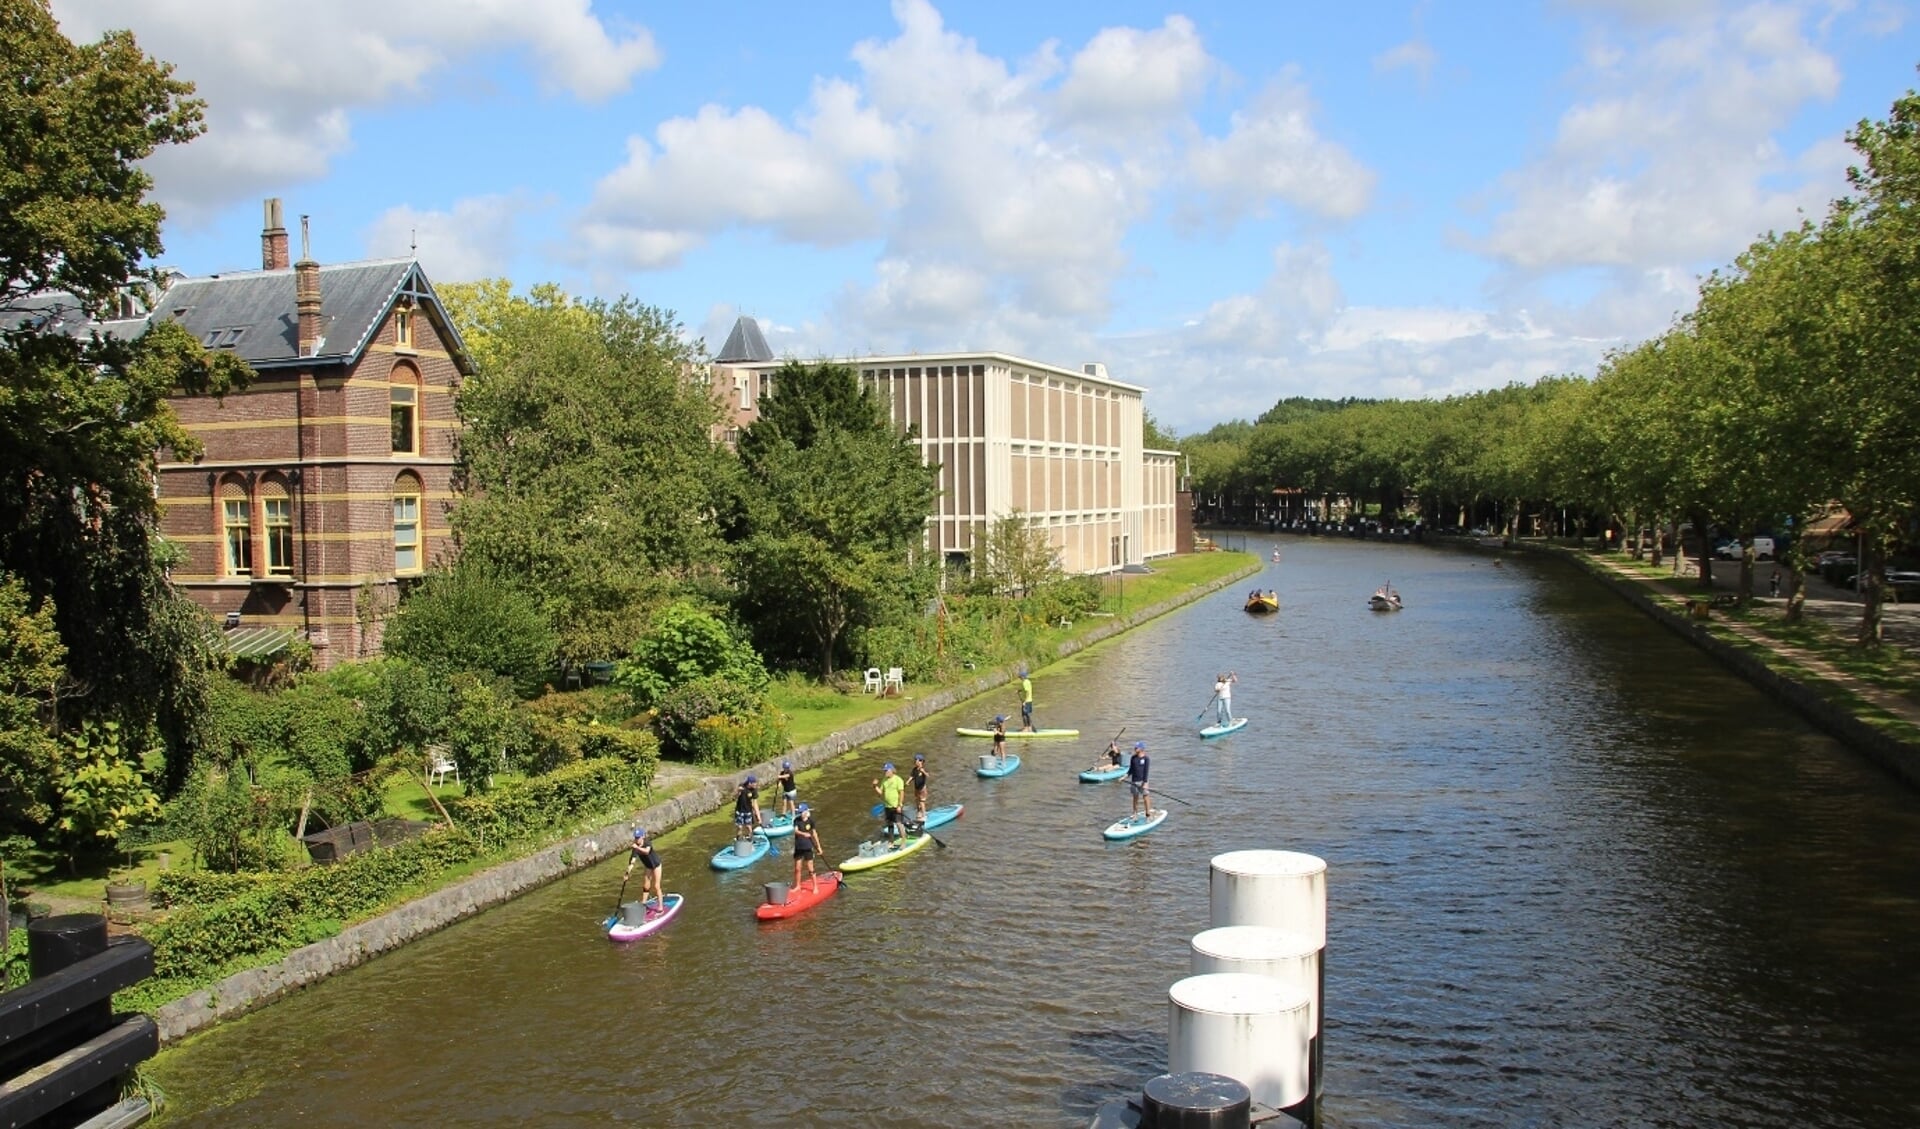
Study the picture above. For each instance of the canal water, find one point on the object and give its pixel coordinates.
(1577, 875)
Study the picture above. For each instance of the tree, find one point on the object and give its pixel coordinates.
(833, 504)
(467, 620)
(82, 419)
(687, 642)
(588, 471)
(32, 662)
(1015, 559)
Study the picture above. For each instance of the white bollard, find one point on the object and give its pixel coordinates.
(1250, 1028)
(1289, 957)
(1281, 889)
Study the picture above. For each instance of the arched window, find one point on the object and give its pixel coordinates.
(404, 409)
(276, 510)
(407, 554)
(236, 528)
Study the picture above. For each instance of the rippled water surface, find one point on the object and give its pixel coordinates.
(1577, 875)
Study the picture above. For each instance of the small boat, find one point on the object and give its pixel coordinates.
(800, 898)
(1263, 603)
(637, 919)
(1102, 775)
(991, 765)
(1384, 599)
(1018, 734)
(777, 827)
(942, 815)
(1276, 556)
(1134, 825)
(875, 853)
(1235, 725)
(730, 858)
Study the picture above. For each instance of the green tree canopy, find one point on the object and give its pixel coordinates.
(587, 464)
(834, 502)
(83, 418)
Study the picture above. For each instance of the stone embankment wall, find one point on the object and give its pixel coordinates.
(244, 991)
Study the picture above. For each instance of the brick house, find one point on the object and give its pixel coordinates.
(325, 486)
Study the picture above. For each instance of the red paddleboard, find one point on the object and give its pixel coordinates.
(801, 898)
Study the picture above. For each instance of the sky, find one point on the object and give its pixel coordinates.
(1227, 203)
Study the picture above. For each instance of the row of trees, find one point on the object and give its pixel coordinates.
(1790, 387)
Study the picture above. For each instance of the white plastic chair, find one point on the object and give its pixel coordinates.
(872, 684)
(896, 680)
(439, 767)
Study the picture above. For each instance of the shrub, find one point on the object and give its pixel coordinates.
(481, 724)
(467, 620)
(729, 741)
(687, 643)
(685, 707)
(318, 725)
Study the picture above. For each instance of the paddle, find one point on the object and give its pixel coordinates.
(1205, 708)
(608, 923)
(1175, 799)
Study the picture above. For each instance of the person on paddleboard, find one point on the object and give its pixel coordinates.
(1113, 757)
(1000, 738)
(918, 778)
(1026, 702)
(806, 844)
(649, 860)
(789, 791)
(1137, 768)
(891, 790)
(746, 807)
(1223, 697)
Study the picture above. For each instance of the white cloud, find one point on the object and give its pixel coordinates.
(281, 81)
(1414, 55)
(720, 169)
(1131, 78)
(475, 239)
(1271, 153)
(1672, 157)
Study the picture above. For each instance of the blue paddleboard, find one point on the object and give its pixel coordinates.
(1135, 825)
(1223, 730)
(991, 765)
(726, 858)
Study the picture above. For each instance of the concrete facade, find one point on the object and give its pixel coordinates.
(1061, 446)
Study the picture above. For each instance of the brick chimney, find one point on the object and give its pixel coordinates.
(273, 239)
(306, 294)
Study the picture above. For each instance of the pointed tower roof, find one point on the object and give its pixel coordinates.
(745, 343)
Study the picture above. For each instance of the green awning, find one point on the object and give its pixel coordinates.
(258, 642)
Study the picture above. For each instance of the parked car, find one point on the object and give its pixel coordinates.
(1729, 550)
(1903, 584)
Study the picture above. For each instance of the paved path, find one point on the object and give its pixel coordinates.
(1824, 603)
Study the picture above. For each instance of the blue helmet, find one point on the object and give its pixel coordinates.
(1139, 746)
(887, 767)
(752, 779)
(639, 832)
(802, 806)
(786, 764)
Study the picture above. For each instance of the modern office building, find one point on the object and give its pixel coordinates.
(1061, 446)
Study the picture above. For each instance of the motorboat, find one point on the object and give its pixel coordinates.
(1384, 599)
(1263, 603)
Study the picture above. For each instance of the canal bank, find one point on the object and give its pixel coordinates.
(246, 991)
(1828, 697)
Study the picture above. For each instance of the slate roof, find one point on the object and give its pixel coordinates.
(253, 312)
(745, 343)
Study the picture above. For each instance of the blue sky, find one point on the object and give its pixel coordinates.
(1227, 203)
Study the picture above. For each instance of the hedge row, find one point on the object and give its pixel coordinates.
(227, 917)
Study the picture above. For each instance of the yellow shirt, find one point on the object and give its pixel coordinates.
(892, 788)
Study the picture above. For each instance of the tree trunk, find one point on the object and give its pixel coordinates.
(1746, 569)
(1796, 592)
(429, 791)
(306, 807)
(1871, 568)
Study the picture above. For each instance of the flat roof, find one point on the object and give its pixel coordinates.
(954, 358)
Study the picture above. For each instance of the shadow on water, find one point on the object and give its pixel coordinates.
(1576, 873)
